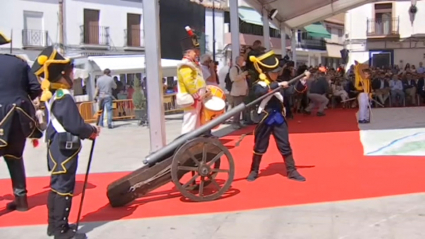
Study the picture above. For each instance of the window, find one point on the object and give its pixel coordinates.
(133, 29)
(91, 26)
(33, 33)
(382, 24)
(340, 33)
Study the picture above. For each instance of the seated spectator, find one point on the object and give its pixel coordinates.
(421, 87)
(421, 68)
(381, 87)
(337, 90)
(396, 87)
(409, 87)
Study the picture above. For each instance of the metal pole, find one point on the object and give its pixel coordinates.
(283, 41)
(294, 46)
(154, 74)
(213, 29)
(61, 28)
(266, 29)
(11, 42)
(234, 29)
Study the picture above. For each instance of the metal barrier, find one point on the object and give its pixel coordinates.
(124, 109)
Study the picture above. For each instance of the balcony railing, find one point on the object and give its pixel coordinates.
(94, 35)
(35, 38)
(382, 27)
(134, 38)
(313, 44)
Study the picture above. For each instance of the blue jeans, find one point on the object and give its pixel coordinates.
(106, 105)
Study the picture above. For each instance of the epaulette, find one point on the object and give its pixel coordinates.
(59, 94)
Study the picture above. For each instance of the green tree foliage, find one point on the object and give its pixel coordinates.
(139, 99)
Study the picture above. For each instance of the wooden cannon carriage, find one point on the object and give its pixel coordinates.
(195, 154)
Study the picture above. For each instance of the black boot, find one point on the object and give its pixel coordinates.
(19, 204)
(17, 175)
(61, 229)
(50, 214)
(291, 170)
(255, 167)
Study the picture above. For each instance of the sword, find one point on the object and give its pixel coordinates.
(86, 177)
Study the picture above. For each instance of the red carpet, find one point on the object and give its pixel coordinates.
(327, 151)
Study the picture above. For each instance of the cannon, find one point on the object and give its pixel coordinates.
(196, 154)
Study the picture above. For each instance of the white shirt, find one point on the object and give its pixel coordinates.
(421, 70)
(222, 77)
(206, 74)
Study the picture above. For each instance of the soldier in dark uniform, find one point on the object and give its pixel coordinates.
(18, 87)
(64, 133)
(271, 113)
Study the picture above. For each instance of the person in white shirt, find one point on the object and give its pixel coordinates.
(239, 89)
(208, 70)
(396, 87)
(421, 68)
(338, 90)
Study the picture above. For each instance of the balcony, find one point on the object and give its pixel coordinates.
(312, 44)
(382, 28)
(35, 38)
(94, 36)
(133, 40)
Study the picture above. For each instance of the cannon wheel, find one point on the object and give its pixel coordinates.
(204, 166)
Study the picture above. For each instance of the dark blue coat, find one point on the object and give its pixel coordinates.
(18, 87)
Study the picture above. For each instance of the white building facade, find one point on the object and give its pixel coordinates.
(93, 27)
(386, 33)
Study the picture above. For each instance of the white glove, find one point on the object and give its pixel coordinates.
(284, 84)
(40, 116)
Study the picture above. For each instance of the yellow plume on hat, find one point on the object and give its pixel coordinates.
(255, 62)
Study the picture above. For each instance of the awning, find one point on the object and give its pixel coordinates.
(129, 64)
(296, 14)
(334, 50)
(317, 30)
(251, 16)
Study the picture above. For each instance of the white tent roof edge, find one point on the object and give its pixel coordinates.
(129, 64)
(310, 17)
(324, 12)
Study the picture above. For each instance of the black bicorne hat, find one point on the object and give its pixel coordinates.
(51, 66)
(190, 42)
(264, 63)
(4, 40)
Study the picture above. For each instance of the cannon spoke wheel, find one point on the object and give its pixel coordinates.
(202, 159)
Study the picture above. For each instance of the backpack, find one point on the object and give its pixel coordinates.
(228, 81)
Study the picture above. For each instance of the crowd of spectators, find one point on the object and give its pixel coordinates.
(327, 87)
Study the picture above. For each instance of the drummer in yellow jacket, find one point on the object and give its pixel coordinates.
(191, 84)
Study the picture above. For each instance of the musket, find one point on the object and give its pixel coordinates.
(157, 156)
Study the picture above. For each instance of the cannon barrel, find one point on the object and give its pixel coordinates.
(171, 147)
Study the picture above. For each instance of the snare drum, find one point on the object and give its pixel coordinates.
(213, 106)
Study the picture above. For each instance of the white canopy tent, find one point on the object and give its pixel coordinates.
(294, 14)
(128, 64)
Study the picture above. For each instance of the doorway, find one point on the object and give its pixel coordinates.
(91, 26)
(381, 59)
(133, 29)
(33, 33)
